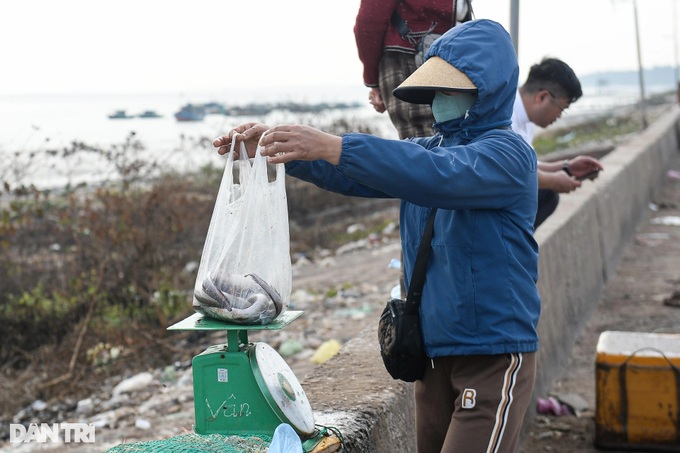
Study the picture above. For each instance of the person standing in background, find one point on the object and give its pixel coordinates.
(389, 58)
(551, 87)
(387, 53)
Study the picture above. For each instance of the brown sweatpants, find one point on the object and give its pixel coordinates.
(474, 404)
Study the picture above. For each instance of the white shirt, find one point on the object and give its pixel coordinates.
(520, 121)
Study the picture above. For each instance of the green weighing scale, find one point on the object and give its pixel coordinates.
(243, 388)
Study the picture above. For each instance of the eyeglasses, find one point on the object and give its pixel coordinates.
(553, 99)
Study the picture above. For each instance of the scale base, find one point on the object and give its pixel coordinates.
(243, 388)
(227, 398)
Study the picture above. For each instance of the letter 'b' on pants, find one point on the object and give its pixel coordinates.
(474, 403)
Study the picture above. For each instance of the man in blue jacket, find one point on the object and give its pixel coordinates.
(480, 305)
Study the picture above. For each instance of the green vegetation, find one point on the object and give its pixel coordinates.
(600, 130)
(605, 128)
(90, 270)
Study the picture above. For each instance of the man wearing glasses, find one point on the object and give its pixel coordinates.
(550, 88)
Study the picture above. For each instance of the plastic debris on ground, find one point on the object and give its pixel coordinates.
(327, 350)
(551, 406)
(285, 440)
(667, 220)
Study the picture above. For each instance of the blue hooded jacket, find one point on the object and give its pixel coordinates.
(480, 294)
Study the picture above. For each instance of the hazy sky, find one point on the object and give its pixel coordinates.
(65, 46)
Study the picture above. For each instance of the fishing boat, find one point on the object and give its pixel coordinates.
(215, 108)
(119, 115)
(149, 114)
(190, 112)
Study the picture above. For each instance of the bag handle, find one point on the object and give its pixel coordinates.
(279, 168)
(244, 167)
(415, 289)
(624, 364)
(623, 384)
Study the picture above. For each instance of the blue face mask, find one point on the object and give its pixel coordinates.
(446, 108)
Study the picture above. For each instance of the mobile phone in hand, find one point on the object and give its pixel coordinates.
(588, 175)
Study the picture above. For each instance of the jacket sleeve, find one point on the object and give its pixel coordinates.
(329, 177)
(370, 28)
(489, 174)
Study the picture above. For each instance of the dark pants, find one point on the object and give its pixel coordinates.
(547, 203)
(474, 404)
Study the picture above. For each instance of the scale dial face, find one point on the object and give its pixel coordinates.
(284, 388)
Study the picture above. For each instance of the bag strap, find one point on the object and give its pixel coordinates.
(400, 24)
(470, 13)
(415, 289)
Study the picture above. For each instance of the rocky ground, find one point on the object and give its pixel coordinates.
(339, 292)
(343, 291)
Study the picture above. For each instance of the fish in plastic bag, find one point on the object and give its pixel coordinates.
(240, 299)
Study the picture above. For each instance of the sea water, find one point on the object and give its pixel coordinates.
(35, 129)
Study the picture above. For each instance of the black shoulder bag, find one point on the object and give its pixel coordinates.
(399, 331)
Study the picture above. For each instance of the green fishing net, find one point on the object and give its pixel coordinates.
(195, 443)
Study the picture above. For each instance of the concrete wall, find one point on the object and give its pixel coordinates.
(580, 247)
(582, 243)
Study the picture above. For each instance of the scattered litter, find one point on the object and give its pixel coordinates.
(39, 405)
(667, 220)
(566, 138)
(673, 174)
(85, 407)
(576, 403)
(395, 293)
(191, 267)
(657, 236)
(673, 300)
(351, 247)
(141, 423)
(327, 350)
(133, 384)
(355, 228)
(653, 207)
(169, 374)
(327, 262)
(549, 435)
(285, 440)
(390, 228)
(353, 313)
(550, 406)
(302, 261)
(290, 347)
(651, 239)
(394, 264)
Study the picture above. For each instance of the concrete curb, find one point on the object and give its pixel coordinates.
(580, 245)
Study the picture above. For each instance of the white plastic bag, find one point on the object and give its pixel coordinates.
(245, 272)
(285, 440)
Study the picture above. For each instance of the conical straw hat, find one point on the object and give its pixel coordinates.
(436, 74)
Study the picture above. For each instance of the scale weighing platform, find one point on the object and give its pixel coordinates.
(243, 388)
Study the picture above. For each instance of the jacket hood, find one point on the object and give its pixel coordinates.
(483, 50)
